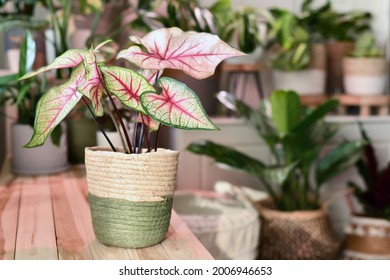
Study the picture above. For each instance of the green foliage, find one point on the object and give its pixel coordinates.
(240, 27)
(290, 39)
(326, 24)
(296, 138)
(292, 34)
(23, 94)
(365, 46)
(374, 196)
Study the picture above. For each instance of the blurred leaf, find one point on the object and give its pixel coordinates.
(56, 135)
(315, 116)
(286, 110)
(226, 155)
(341, 157)
(27, 54)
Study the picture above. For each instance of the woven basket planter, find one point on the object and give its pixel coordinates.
(130, 195)
(367, 239)
(297, 235)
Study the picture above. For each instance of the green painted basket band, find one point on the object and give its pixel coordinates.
(130, 224)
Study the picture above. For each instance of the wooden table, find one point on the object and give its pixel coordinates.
(48, 217)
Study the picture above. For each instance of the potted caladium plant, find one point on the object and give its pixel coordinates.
(131, 188)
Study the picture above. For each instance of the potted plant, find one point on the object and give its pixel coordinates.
(368, 233)
(51, 157)
(365, 69)
(131, 188)
(338, 30)
(298, 64)
(296, 227)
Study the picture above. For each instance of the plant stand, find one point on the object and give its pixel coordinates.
(365, 104)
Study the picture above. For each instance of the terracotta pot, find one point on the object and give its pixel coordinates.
(335, 53)
(367, 239)
(364, 76)
(299, 235)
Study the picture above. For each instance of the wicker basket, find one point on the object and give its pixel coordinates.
(130, 195)
(367, 239)
(297, 235)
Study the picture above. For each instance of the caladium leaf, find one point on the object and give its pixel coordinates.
(92, 86)
(197, 54)
(68, 59)
(53, 107)
(126, 85)
(177, 106)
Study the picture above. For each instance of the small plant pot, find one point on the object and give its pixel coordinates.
(297, 235)
(364, 76)
(130, 195)
(367, 239)
(45, 159)
(304, 82)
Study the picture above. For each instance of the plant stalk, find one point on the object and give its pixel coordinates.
(98, 124)
(118, 114)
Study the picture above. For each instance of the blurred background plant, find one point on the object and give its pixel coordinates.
(297, 138)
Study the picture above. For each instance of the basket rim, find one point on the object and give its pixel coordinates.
(107, 151)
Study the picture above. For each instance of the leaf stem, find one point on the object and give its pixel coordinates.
(146, 134)
(135, 132)
(98, 124)
(118, 114)
(157, 137)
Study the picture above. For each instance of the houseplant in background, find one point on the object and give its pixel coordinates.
(364, 69)
(338, 30)
(297, 226)
(51, 157)
(298, 64)
(368, 233)
(131, 188)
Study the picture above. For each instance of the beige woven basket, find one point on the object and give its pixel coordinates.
(130, 195)
(297, 235)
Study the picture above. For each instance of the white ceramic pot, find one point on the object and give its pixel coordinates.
(45, 159)
(364, 76)
(304, 82)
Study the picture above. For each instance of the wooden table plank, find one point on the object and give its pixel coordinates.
(9, 212)
(71, 236)
(155, 252)
(99, 251)
(48, 217)
(35, 234)
(181, 243)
